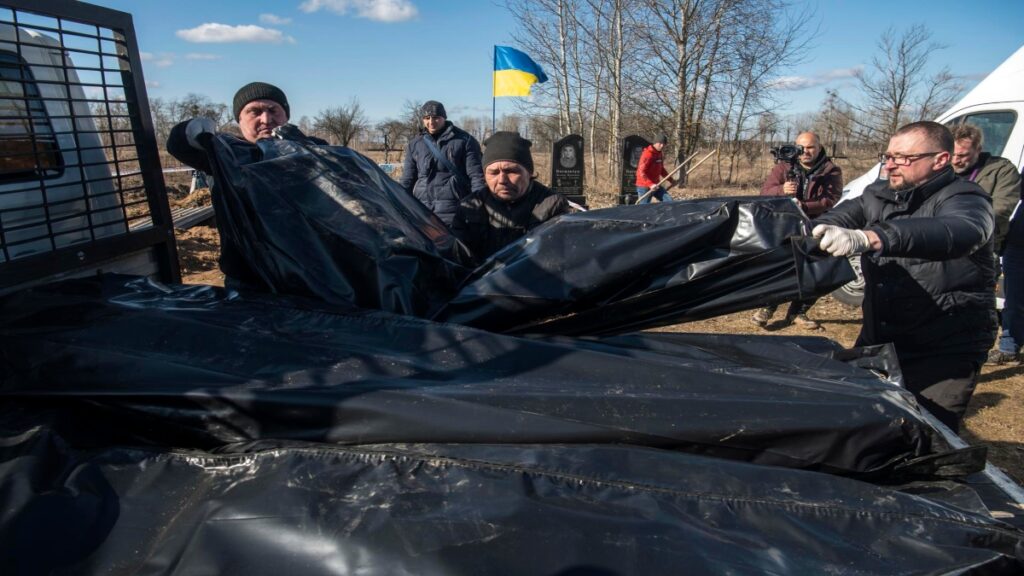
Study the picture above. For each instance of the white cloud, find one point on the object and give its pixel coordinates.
(827, 77)
(274, 20)
(380, 10)
(152, 84)
(164, 60)
(202, 56)
(212, 32)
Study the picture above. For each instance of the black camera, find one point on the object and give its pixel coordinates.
(788, 153)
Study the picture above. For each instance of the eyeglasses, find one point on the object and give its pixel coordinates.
(904, 160)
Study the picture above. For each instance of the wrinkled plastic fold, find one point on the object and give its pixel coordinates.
(325, 222)
(386, 410)
(295, 508)
(128, 361)
(633, 267)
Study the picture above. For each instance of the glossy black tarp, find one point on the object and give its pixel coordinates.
(290, 508)
(193, 366)
(327, 223)
(633, 267)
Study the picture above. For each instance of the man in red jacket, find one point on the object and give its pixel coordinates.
(817, 184)
(650, 171)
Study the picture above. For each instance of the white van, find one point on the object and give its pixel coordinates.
(76, 167)
(996, 106)
(48, 133)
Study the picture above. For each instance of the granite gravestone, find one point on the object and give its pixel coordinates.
(567, 168)
(632, 147)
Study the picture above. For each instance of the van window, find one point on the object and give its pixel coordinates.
(28, 146)
(995, 127)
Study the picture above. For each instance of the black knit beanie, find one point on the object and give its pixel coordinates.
(661, 139)
(433, 108)
(259, 91)
(508, 146)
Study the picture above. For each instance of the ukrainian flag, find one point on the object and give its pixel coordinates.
(515, 72)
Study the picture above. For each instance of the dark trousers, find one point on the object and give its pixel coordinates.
(943, 384)
(795, 308)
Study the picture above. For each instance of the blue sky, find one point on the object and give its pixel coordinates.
(383, 52)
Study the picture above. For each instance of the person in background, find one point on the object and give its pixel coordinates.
(816, 183)
(442, 163)
(513, 203)
(925, 237)
(999, 177)
(650, 171)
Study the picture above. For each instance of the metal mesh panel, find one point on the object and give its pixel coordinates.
(74, 170)
(68, 143)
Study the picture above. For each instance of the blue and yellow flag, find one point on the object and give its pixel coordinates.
(515, 72)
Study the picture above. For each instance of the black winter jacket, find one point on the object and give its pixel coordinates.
(930, 289)
(431, 182)
(485, 224)
(232, 263)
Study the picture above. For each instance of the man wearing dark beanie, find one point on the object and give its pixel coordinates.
(513, 203)
(442, 163)
(259, 108)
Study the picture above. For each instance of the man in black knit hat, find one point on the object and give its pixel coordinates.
(513, 203)
(259, 108)
(442, 163)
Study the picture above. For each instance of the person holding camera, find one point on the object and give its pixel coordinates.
(808, 175)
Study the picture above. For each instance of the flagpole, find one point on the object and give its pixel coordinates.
(494, 99)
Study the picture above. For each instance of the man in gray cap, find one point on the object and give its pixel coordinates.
(259, 108)
(513, 203)
(442, 163)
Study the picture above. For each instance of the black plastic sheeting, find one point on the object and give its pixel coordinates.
(632, 267)
(187, 429)
(150, 428)
(331, 428)
(465, 509)
(325, 222)
(193, 367)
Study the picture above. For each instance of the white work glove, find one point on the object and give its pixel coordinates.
(197, 126)
(839, 241)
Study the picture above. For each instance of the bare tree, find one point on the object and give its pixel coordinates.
(393, 133)
(897, 88)
(167, 113)
(685, 40)
(549, 33)
(305, 125)
(341, 124)
(766, 39)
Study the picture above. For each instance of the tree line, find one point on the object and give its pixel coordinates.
(709, 73)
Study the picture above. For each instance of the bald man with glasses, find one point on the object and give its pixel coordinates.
(926, 243)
